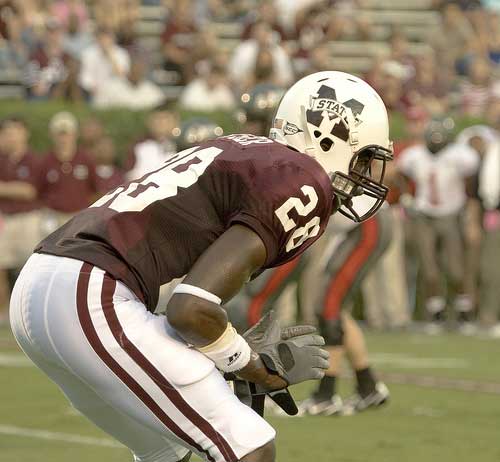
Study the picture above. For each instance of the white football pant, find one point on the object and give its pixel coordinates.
(126, 369)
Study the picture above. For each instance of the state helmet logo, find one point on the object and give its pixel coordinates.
(327, 106)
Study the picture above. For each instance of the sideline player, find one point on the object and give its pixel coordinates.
(328, 276)
(346, 254)
(440, 169)
(220, 213)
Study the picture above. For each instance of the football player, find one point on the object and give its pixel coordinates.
(328, 276)
(439, 168)
(219, 213)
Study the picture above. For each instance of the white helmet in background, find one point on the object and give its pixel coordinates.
(341, 121)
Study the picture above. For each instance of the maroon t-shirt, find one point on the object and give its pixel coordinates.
(67, 186)
(108, 177)
(152, 230)
(26, 169)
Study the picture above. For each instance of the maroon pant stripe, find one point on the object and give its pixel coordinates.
(133, 385)
(168, 389)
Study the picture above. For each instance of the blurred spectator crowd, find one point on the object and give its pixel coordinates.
(93, 52)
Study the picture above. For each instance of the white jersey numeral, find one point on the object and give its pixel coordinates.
(181, 171)
(310, 229)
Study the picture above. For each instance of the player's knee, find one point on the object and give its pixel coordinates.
(332, 331)
(266, 453)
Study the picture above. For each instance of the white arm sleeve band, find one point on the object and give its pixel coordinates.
(197, 292)
(230, 352)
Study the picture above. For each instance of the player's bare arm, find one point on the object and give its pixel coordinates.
(222, 270)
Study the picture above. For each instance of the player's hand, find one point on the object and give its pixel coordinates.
(293, 353)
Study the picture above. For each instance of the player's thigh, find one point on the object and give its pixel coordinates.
(169, 387)
(145, 443)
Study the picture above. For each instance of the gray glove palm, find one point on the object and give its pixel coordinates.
(294, 353)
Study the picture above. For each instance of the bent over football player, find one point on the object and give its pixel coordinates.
(219, 214)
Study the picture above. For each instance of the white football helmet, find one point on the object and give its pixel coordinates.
(341, 121)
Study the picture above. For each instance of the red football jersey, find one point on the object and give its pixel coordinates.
(151, 230)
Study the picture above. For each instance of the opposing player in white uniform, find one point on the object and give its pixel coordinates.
(439, 170)
(219, 214)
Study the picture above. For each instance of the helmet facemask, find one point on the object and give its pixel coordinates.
(361, 191)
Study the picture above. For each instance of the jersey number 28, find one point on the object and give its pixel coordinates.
(310, 229)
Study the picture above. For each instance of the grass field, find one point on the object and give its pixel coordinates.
(445, 407)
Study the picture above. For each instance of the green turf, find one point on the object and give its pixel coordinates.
(421, 424)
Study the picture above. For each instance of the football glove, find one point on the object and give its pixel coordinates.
(294, 353)
(254, 396)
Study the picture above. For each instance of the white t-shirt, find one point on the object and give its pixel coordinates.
(197, 96)
(439, 178)
(119, 92)
(245, 55)
(149, 154)
(96, 69)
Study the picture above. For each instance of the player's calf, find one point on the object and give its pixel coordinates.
(266, 453)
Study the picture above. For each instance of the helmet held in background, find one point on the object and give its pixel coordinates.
(196, 130)
(257, 108)
(342, 122)
(438, 134)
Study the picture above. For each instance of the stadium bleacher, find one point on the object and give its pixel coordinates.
(414, 18)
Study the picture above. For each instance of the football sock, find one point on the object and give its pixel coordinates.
(366, 381)
(435, 306)
(326, 388)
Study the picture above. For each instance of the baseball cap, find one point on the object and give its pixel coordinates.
(63, 121)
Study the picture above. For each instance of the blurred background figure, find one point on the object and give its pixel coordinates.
(78, 37)
(439, 169)
(478, 88)
(386, 296)
(178, 41)
(108, 174)
(49, 70)
(68, 180)
(19, 204)
(156, 146)
(195, 131)
(483, 223)
(132, 91)
(102, 62)
(260, 59)
(209, 90)
(256, 108)
(91, 130)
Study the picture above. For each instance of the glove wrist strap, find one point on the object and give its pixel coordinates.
(230, 352)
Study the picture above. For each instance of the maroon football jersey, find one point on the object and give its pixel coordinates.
(152, 230)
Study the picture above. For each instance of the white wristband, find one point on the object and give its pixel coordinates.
(230, 352)
(197, 292)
